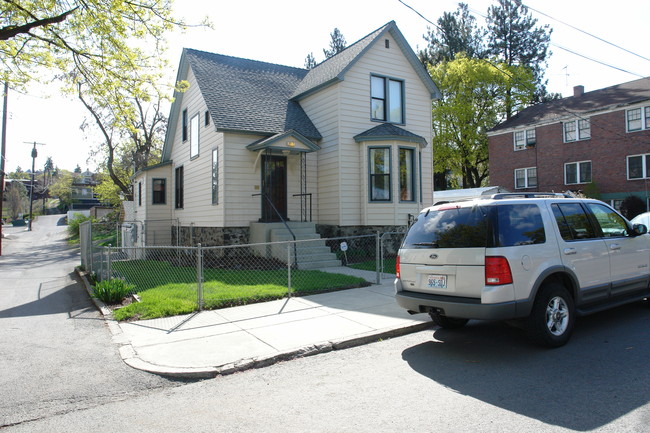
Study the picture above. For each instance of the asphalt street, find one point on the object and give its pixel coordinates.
(57, 354)
(62, 372)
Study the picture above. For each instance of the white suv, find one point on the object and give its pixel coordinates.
(542, 258)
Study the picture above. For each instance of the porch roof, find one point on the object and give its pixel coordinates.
(291, 141)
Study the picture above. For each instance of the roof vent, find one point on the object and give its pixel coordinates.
(578, 90)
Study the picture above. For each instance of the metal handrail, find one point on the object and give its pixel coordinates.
(293, 235)
(308, 194)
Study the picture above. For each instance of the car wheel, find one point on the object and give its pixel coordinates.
(550, 323)
(448, 322)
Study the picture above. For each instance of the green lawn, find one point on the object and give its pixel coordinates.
(371, 265)
(167, 290)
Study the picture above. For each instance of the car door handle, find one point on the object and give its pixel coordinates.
(614, 247)
(569, 251)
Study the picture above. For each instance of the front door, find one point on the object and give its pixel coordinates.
(274, 188)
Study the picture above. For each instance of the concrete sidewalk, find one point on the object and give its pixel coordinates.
(209, 343)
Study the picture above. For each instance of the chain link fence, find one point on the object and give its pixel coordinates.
(221, 276)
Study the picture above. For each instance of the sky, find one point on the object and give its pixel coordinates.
(285, 31)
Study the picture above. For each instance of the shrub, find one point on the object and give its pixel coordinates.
(112, 291)
(73, 224)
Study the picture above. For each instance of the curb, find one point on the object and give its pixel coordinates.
(130, 356)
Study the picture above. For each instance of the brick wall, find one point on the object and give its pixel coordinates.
(607, 149)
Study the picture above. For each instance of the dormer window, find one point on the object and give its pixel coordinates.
(387, 99)
(524, 139)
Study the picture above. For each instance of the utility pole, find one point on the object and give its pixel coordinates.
(2, 155)
(31, 190)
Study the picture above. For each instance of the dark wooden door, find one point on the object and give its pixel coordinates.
(274, 187)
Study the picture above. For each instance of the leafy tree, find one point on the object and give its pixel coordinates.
(94, 37)
(472, 102)
(133, 137)
(62, 188)
(455, 32)
(310, 61)
(17, 199)
(515, 40)
(337, 44)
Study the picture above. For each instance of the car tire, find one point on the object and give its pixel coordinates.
(550, 323)
(448, 322)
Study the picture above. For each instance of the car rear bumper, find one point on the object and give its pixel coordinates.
(451, 306)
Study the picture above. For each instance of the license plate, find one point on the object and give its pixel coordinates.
(438, 281)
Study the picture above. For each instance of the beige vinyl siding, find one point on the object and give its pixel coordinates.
(243, 176)
(323, 109)
(197, 201)
(342, 111)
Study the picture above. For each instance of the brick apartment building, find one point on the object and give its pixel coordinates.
(596, 142)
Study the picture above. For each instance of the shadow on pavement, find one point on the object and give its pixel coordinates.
(599, 376)
(54, 297)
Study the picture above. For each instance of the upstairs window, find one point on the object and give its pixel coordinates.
(575, 130)
(525, 138)
(184, 120)
(387, 99)
(194, 137)
(637, 119)
(577, 172)
(526, 177)
(215, 176)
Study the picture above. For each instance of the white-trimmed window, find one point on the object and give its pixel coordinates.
(406, 174)
(637, 166)
(575, 130)
(215, 176)
(526, 177)
(379, 162)
(637, 119)
(577, 172)
(386, 99)
(524, 138)
(194, 136)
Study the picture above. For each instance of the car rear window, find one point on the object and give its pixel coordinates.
(454, 227)
(477, 227)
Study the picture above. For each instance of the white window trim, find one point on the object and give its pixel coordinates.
(576, 124)
(529, 139)
(194, 136)
(644, 118)
(577, 164)
(645, 168)
(526, 169)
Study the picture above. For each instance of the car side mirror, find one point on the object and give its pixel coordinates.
(639, 229)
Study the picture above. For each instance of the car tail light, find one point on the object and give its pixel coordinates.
(397, 267)
(497, 271)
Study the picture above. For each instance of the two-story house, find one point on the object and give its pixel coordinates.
(343, 146)
(597, 142)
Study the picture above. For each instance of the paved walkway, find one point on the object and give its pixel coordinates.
(209, 343)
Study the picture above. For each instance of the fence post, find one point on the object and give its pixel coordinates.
(109, 265)
(289, 269)
(199, 275)
(377, 257)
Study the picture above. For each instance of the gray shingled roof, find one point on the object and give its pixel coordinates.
(597, 100)
(248, 95)
(388, 131)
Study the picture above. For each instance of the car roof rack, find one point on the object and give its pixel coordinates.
(504, 195)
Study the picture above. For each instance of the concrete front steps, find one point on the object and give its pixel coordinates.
(310, 252)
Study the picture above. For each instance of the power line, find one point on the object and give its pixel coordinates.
(588, 34)
(597, 61)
